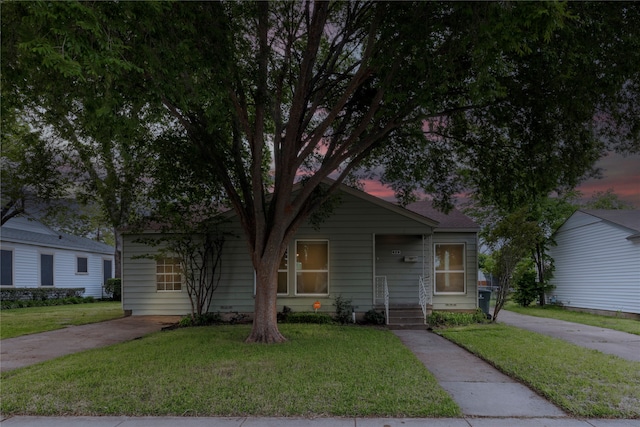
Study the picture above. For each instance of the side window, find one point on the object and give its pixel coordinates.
(312, 267)
(449, 266)
(82, 265)
(6, 267)
(168, 274)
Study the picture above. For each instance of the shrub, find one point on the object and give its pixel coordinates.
(343, 309)
(205, 319)
(284, 314)
(374, 317)
(445, 318)
(526, 288)
(8, 304)
(114, 288)
(307, 317)
(39, 294)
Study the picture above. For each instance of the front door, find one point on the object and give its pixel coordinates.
(399, 259)
(46, 270)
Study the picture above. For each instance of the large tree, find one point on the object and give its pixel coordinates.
(274, 97)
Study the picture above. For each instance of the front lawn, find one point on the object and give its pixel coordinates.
(323, 370)
(630, 326)
(22, 321)
(583, 382)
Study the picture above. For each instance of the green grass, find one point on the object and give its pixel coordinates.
(22, 321)
(583, 382)
(323, 370)
(550, 311)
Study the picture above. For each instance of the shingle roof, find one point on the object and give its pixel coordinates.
(16, 233)
(452, 220)
(627, 218)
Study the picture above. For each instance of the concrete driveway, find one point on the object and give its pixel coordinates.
(621, 344)
(31, 349)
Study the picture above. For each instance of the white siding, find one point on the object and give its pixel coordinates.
(597, 267)
(26, 268)
(350, 232)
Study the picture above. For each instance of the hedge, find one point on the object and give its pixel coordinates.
(39, 294)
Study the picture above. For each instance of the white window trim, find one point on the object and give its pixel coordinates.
(464, 270)
(328, 270)
(168, 290)
(82, 273)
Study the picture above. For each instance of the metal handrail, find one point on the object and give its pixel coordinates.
(386, 301)
(423, 297)
(382, 292)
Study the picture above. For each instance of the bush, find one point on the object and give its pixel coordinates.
(445, 318)
(307, 317)
(526, 288)
(343, 309)
(374, 317)
(39, 294)
(205, 319)
(113, 287)
(8, 304)
(284, 314)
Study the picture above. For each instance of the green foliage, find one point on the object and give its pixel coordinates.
(344, 309)
(113, 287)
(39, 294)
(8, 304)
(205, 319)
(441, 319)
(525, 284)
(374, 317)
(309, 317)
(607, 200)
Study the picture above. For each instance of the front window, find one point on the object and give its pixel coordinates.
(449, 268)
(168, 274)
(312, 267)
(82, 265)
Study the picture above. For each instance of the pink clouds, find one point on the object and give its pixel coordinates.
(622, 174)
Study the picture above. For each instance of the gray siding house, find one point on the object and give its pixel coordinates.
(597, 261)
(33, 255)
(417, 252)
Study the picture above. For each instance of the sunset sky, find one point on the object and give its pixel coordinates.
(622, 174)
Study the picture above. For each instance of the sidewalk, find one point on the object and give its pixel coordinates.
(621, 344)
(308, 422)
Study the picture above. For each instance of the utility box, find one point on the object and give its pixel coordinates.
(484, 301)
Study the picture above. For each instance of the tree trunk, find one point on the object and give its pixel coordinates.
(265, 321)
(117, 256)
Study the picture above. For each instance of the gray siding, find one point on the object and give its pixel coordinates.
(597, 267)
(351, 231)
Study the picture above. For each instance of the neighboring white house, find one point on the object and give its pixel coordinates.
(33, 255)
(597, 260)
(420, 254)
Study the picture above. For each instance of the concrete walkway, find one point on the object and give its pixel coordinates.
(307, 422)
(621, 344)
(477, 387)
(31, 349)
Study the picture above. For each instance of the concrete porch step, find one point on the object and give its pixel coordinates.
(406, 317)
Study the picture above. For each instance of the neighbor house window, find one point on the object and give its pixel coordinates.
(168, 274)
(82, 265)
(449, 268)
(312, 267)
(6, 267)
